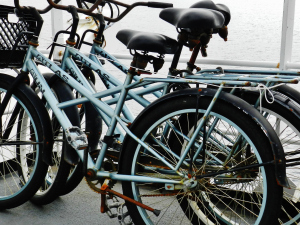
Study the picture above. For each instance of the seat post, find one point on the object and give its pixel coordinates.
(176, 57)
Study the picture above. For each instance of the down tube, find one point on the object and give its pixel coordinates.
(103, 74)
(47, 93)
(73, 83)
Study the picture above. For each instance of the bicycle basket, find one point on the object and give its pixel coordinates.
(14, 37)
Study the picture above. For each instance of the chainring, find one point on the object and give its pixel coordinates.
(95, 185)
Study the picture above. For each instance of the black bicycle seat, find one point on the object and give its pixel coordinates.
(150, 42)
(193, 18)
(208, 4)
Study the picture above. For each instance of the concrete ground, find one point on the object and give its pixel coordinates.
(80, 207)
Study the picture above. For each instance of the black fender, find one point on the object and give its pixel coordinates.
(278, 97)
(289, 92)
(64, 93)
(44, 116)
(93, 123)
(93, 120)
(278, 153)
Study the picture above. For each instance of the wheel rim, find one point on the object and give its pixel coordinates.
(138, 192)
(290, 139)
(20, 176)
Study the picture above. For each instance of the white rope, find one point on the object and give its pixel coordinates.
(261, 88)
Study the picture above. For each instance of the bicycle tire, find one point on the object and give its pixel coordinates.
(91, 123)
(284, 116)
(58, 173)
(226, 112)
(289, 92)
(23, 169)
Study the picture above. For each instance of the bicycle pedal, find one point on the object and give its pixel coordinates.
(76, 138)
(117, 145)
(124, 217)
(102, 61)
(110, 206)
(115, 209)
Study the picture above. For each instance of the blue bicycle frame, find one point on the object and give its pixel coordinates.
(80, 84)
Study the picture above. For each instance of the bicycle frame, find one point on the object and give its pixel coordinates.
(82, 86)
(209, 75)
(93, 63)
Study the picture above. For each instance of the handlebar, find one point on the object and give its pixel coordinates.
(161, 5)
(98, 2)
(41, 11)
(85, 11)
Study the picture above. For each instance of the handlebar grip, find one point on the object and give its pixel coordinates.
(160, 5)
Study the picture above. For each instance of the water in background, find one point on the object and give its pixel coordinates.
(254, 30)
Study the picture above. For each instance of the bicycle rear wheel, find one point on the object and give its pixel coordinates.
(22, 167)
(247, 196)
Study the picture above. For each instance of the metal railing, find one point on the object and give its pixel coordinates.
(285, 48)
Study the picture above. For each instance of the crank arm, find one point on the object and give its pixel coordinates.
(106, 188)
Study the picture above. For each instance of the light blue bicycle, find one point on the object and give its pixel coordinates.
(283, 114)
(193, 156)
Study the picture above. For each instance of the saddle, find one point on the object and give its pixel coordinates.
(197, 22)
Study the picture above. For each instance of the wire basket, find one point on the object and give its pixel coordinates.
(14, 37)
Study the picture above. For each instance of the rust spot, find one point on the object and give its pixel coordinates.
(248, 83)
(70, 43)
(89, 174)
(278, 64)
(60, 53)
(79, 106)
(168, 187)
(33, 44)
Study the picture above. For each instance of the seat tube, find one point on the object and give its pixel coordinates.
(117, 112)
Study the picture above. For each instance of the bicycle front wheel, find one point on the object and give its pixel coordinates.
(22, 167)
(209, 193)
(59, 172)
